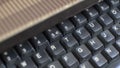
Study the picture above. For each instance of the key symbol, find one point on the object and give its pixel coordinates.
(80, 50)
(53, 47)
(83, 66)
(52, 66)
(91, 25)
(109, 50)
(24, 64)
(92, 42)
(66, 58)
(114, 11)
(38, 55)
(96, 59)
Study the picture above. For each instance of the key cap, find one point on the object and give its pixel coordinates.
(10, 56)
(102, 7)
(55, 64)
(56, 50)
(91, 13)
(26, 63)
(69, 42)
(53, 34)
(69, 61)
(95, 45)
(106, 37)
(82, 35)
(39, 41)
(106, 21)
(113, 2)
(94, 27)
(25, 49)
(98, 61)
(110, 53)
(2, 65)
(86, 65)
(41, 58)
(117, 44)
(116, 30)
(115, 64)
(66, 26)
(79, 20)
(115, 14)
(82, 53)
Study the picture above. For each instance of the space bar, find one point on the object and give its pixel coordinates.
(115, 64)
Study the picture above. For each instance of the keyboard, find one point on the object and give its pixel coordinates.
(89, 39)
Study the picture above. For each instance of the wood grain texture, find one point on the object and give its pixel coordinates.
(19, 15)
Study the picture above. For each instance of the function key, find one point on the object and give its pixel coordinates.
(98, 61)
(82, 35)
(55, 64)
(69, 61)
(69, 42)
(102, 7)
(113, 2)
(106, 21)
(56, 50)
(2, 65)
(25, 49)
(91, 13)
(86, 65)
(110, 53)
(79, 20)
(95, 45)
(53, 34)
(106, 37)
(94, 27)
(41, 58)
(66, 26)
(82, 53)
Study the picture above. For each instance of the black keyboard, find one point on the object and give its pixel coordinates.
(89, 39)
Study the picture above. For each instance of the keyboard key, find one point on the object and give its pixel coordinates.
(115, 14)
(79, 20)
(106, 37)
(56, 50)
(69, 61)
(66, 26)
(41, 58)
(10, 56)
(98, 61)
(106, 21)
(94, 27)
(113, 2)
(53, 34)
(86, 65)
(55, 64)
(91, 13)
(82, 35)
(82, 53)
(39, 41)
(25, 49)
(95, 45)
(26, 63)
(2, 65)
(110, 53)
(69, 42)
(117, 44)
(102, 7)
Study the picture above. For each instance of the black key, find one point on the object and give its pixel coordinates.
(82, 53)
(91, 13)
(116, 30)
(53, 34)
(106, 37)
(2, 65)
(102, 7)
(69, 61)
(98, 61)
(39, 41)
(25, 49)
(94, 27)
(55, 64)
(66, 26)
(69, 42)
(56, 50)
(113, 2)
(10, 56)
(115, 14)
(26, 63)
(86, 65)
(95, 45)
(110, 53)
(82, 35)
(117, 44)
(79, 20)
(106, 21)
(41, 58)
